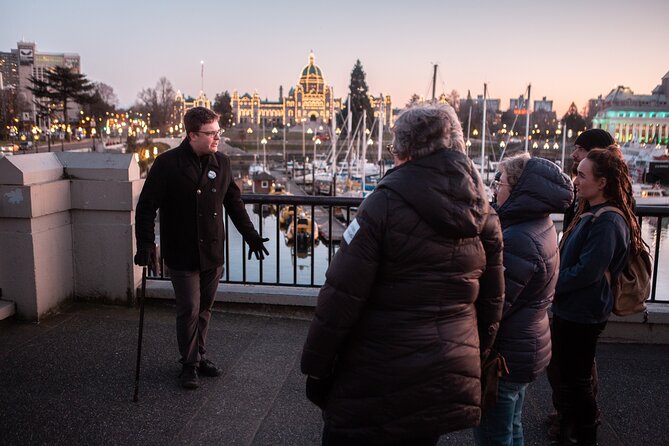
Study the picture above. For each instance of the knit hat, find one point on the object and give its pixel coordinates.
(594, 139)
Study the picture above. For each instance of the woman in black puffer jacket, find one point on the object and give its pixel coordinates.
(411, 299)
(528, 191)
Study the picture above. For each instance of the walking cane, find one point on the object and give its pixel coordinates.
(142, 295)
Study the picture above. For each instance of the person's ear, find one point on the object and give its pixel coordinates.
(602, 183)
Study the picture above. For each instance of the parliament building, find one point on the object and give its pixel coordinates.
(311, 100)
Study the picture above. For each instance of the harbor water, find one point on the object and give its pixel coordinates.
(303, 266)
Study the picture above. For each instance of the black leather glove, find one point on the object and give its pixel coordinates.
(144, 256)
(256, 247)
(318, 390)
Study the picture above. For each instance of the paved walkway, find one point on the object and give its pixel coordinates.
(69, 380)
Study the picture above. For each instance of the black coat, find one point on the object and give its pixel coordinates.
(396, 320)
(191, 203)
(531, 262)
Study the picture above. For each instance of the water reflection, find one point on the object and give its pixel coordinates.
(294, 259)
(296, 263)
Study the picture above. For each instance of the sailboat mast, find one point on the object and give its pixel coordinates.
(527, 118)
(364, 148)
(469, 124)
(485, 94)
(434, 82)
(381, 110)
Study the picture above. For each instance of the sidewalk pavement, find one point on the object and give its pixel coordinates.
(70, 380)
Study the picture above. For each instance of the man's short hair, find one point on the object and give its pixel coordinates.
(196, 117)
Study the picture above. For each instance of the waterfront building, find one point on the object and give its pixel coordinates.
(642, 118)
(184, 103)
(311, 100)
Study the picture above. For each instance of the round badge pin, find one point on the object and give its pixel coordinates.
(211, 174)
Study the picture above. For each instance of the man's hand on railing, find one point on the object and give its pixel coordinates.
(256, 247)
(145, 255)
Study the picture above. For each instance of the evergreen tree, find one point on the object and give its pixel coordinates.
(414, 100)
(60, 86)
(359, 96)
(223, 106)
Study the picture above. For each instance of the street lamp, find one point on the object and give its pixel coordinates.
(502, 144)
(264, 154)
(309, 132)
(284, 143)
(304, 153)
(535, 145)
(468, 144)
(249, 131)
(317, 142)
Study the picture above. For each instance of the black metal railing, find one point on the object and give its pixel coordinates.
(322, 208)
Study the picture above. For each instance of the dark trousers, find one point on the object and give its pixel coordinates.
(195, 292)
(334, 439)
(553, 375)
(574, 347)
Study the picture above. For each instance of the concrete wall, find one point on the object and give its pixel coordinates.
(66, 229)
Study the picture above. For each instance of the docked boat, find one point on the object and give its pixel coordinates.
(287, 213)
(301, 233)
(650, 195)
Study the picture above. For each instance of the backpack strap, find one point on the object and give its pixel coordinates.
(600, 211)
(595, 215)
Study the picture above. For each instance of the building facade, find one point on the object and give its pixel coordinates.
(312, 100)
(632, 117)
(184, 103)
(19, 64)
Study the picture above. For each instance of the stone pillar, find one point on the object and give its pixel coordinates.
(36, 269)
(104, 192)
(67, 229)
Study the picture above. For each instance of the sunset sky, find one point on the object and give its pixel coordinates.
(568, 50)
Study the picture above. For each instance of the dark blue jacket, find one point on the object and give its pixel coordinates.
(583, 294)
(531, 262)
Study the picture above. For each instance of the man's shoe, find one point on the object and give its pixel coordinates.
(188, 378)
(208, 368)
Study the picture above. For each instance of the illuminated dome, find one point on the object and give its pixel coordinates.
(311, 69)
(311, 78)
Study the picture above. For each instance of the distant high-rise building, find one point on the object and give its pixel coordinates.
(19, 64)
(543, 105)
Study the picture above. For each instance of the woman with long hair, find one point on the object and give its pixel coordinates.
(593, 251)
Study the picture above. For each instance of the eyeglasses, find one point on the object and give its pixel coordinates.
(213, 133)
(391, 149)
(497, 184)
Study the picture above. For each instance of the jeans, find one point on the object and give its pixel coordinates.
(501, 424)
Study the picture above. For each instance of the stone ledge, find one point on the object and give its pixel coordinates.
(235, 293)
(7, 309)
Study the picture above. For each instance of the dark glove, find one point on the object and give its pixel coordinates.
(318, 390)
(256, 247)
(144, 256)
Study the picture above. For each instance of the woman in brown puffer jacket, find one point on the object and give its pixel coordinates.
(412, 299)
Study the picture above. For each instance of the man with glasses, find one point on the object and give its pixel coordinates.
(190, 185)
